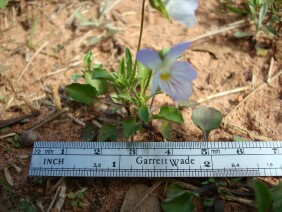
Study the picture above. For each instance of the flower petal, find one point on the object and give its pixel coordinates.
(175, 52)
(182, 11)
(156, 82)
(149, 58)
(183, 70)
(178, 89)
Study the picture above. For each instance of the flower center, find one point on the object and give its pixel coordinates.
(165, 76)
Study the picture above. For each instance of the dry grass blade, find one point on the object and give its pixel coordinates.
(146, 194)
(236, 90)
(53, 199)
(234, 25)
(35, 54)
(61, 197)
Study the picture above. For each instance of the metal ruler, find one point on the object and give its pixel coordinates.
(156, 159)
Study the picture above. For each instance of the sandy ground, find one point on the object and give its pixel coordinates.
(58, 47)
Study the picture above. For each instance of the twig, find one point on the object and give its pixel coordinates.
(75, 119)
(96, 123)
(61, 197)
(56, 97)
(56, 185)
(54, 199)
(7, 135)
(236, 90)
(28, 64)
(64, 69)
(146, 194)
(185, 185)
(240, 200)
(50, 118)
(270, 70)
(233, 25)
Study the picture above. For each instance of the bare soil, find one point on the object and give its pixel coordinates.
(223, 64)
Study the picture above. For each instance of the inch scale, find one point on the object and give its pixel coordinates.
(156, 159)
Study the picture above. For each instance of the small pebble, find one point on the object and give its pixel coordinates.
(28, 138)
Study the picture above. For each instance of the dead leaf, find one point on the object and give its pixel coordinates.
(151, 203)
(8, 176)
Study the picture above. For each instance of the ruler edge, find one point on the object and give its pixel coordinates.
(60, 144)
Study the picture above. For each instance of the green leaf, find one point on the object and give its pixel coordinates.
(89, 132)
(128, 63)
(236, 10)
(107, 132)
(166, 130)
(88, 61)
(143, 74)
(82, 204)
(100, 73)
(79, 195)
(275, 19)
(178, 199)
(159, 5)
(241, 34)
(170, 114)
(143, 114)
(3, 4)
(129, 127)
(262, 13)
(238, 138)
(263, 196)
(125, 97)
(73, 203)
(208, 202)
(207, 119)
(32, 32)
(101, 86)
(4, 130)
(71, 195)
(83, 93)
(122, 69)
(75, 77)
(277, 198)
(271, 29)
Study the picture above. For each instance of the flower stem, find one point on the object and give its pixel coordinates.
(140, 34)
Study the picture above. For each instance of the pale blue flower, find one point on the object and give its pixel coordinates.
(173, 77)
(182, 10)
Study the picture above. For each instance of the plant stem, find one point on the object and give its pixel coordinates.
(140, 34)
(206, 136)
(152, 102)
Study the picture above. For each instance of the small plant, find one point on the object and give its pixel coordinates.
(38, 180)
(267, 199)
(77, 199)
(27, 206)
(14, 141)
(264, 13)
(159, 70)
